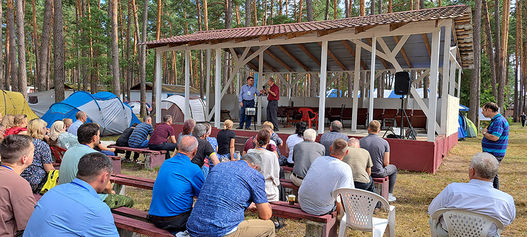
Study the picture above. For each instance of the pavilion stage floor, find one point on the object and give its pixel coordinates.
(413, 155)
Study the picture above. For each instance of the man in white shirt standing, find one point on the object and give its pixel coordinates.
(326, 174)
(478, 195)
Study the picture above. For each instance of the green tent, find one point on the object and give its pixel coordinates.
(472, 130)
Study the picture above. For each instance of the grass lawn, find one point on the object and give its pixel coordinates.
(415, 191)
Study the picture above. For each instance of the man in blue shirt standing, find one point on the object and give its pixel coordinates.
(178, 182)
(247, 93)
(230, 189)
(74, 209)
(495, 136)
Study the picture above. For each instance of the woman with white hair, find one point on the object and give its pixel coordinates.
(59, 137)
(226, 142)
(42, 162)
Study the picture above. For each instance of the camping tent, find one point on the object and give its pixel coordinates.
(174, 105)
(136, 107)
(472, 130)
(103, 108)
(40, 102)
(14, 103)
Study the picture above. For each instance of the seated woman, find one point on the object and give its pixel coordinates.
(8, 121)
(42, 162)
(19, 127)
(294, 139)
(226, 142)
(270, 168)
(59, 137)
(213, 142)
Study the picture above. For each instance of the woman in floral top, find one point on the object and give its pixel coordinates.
(42, 162)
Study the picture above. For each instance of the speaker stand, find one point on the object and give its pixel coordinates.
(411, 133)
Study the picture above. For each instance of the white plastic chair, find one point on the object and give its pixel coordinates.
(464, 223)
(358, 212)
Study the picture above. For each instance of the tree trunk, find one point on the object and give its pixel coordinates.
(346, 9)
(335, 13)
(228, 14)
(422, 4)
(326, 11)
(3, 79)
(390, 6)
(37, 85)
(247, 12)
(238, 17)
(504, 55)
(22, 73)
(58, 42)
(115, 49)
(143, 61)
(362, 8)
(490, 48)
(309, 9)
(372, 7)
(417, 4)
(475, 76)
(12, 45)
(130, 65)
(300, 10)
(497, 48)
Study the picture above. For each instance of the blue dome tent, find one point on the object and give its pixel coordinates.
(103, 108)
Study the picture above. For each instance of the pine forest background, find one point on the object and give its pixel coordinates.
(95, 45)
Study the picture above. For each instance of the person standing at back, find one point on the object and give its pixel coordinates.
(334, 133)
(523, 117)
(495, 136)
(81, 119)
(246, 99)
(379, 150)
(16, 199)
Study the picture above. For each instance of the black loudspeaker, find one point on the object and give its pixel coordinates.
(402, 83)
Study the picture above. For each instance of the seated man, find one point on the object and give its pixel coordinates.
(379, 150)
(81, 117)
(139, 137)
(163, 137)
(334, 133)
(74, 209)
(205, 150)
(326, 174)
(229, 190)
(123, 141)
(177, 183)
(16, 198)
(89, 137)
(478, 195)
(360, 162)
(304, 153)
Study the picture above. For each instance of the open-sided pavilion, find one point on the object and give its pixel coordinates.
(435, 44)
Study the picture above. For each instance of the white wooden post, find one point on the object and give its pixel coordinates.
(356, 89)
(207, 87)
(323, 77)
(459, 82)
(157, 86)
(434, 74)
(217, 90)
(187, 85)
(372, 78)
(260, 85)
(446, 78)
(452, 80)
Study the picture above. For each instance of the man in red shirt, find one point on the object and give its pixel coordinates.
(273, 94)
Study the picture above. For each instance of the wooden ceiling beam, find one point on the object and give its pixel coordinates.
(284, 50)
(309, 54)
(395, 26)
(384, 63)
(427, 44)
(332, 56)
(403, 52)
(268, 52)
(351, 50)
(360, 29)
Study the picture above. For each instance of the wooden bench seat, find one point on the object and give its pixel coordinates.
(382, 186)
(287, 168)
(327, 222)
(153, 158)
(128, 226)
(120, 181)
(288, 184)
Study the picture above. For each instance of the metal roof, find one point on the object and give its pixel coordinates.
(417, 54)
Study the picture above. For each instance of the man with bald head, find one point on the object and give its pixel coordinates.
(334, 133)
(478, 195)
(178, 182)
(81, 119)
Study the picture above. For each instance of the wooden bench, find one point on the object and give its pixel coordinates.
(324, 225)
(288, 184)
(287, 168)
(129, 221)
(120, 181)
(153, 158)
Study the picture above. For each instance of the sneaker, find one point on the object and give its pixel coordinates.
(239, 128)
(391, 198)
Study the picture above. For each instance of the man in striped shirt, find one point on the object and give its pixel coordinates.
(495, 136)
(139, 137)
